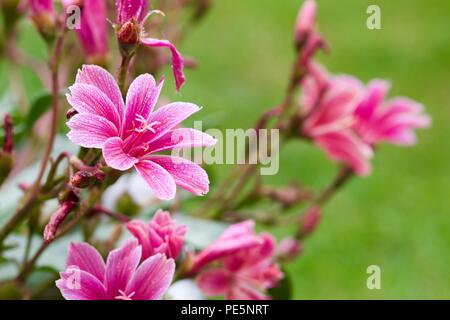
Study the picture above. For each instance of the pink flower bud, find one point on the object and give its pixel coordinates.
(8, 129)
(56, 219)
(306, 20)
(129, 33)
(289, 249)
(160, 235)
(309, 221)
(86, 178)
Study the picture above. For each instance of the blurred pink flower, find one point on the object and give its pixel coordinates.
(131, 16)
(243, 264)
(92, 32)
(86, 276)
(330, 102)
(392, 121)
(129, 133)
(160, 235)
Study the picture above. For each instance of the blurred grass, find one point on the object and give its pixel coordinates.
(399, 217)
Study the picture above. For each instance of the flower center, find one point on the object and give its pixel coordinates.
(124, 296)
(145, 126)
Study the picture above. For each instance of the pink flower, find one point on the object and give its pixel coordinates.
(86, 276)
(161, 235)
(92, 32)
(130, 133)
(243, 264)
(131, 16)
(392, 121)
(330, 102)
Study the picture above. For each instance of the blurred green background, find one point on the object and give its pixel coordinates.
(399, 217)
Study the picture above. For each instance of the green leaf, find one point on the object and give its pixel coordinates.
(38, 107)
(284, 289)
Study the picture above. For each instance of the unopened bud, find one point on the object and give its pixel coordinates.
(289, 249)
(8, 128)
(306, 21)
(56, 219)
(129, 33)
(6, 156)
(86, 178)
(45, 22)
(287, 196)
(309, 221)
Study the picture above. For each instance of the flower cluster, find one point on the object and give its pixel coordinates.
(120, 129)
(344, 117)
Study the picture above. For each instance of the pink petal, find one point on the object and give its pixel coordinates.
(235, 238)
(76, 284)
(177, 59)
(376, 92)
(86, 98)
(347, 148)
(121, 265)
(90, 131)
(214, 282)
(140, 231)
(92, 33)
(104, 81)
(141, 99)
(131, 9)
(245, 292)
(188, 175)
(169, 116)
(159, 180)
(181, 138)
(152, 279)
(115, 156)
(87, 258)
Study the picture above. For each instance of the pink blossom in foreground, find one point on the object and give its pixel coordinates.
(160, 235)
(392, 121)
(93, 29)
(238, 265)
(330, 102)
(130, 133)
(87, 277)
(131, 16)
